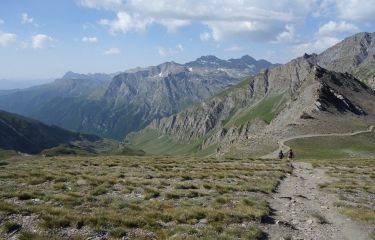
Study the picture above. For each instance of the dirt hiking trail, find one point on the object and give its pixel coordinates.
(302, 211)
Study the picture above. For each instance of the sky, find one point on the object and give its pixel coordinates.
(42, 39)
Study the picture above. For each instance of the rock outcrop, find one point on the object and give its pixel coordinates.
(355, 55)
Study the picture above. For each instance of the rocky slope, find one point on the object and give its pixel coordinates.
(355, 55)
(297, 97)
(30, 136)
(130, 100)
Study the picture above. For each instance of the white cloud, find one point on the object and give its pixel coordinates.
(90, 39)
(2, 21)
(173, 24)
(26, 19)
(41, 41)
(317, 45)
(7, 39)
(349, 10)
(332, 28)
(205, 36)
(327, 36)
(125, 23)
(166, 52)
(356, 10)
(112, 51)
(257, 20)
(288, 35)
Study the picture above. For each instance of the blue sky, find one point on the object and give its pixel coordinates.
(44, 38)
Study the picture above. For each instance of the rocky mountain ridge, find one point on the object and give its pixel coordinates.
(355, 55)
(130, 100)
(290, 98)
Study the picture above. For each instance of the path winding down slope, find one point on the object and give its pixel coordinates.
(302, 211)
(285, 148)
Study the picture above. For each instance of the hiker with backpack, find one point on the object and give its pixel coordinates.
(281, 155)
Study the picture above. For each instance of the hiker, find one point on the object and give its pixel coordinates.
(290, 154)
(281, 155)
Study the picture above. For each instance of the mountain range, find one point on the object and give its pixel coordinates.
(207, 106)
(329, 92)
(115, 105)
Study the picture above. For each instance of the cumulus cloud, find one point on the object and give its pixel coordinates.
(90, 39)
(254, 20)
(26, 19)
(355, 10)
(41, 41)
(112, 51)
(7, 39)
(174, 24)
(166, 52)
(125, 23)
(288, 35)
(332, 28)
(327, 35)
(317, 45)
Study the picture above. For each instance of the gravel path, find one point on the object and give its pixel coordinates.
(302, 211)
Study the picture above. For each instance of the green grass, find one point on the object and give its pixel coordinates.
(361, 145)
(4, 154)
(242, 85)
(354, 183)
(265, 110)
(150, 141)
(163, 197)
(86, 148)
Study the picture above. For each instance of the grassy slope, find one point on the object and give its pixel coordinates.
(266, 110)
(86, 148)
(161, 197)
(4, 154)
(151, 142)
(354, 182)
(361, 145)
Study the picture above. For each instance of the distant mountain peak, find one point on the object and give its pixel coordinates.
(208, 58)
(245, 62)
(70, 75)
(248, 58)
